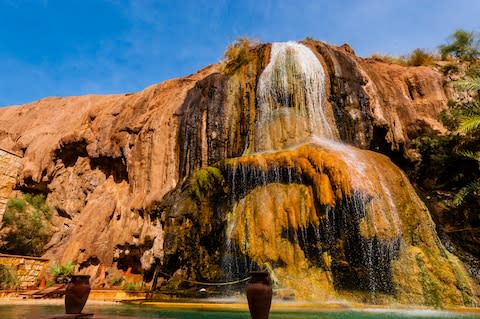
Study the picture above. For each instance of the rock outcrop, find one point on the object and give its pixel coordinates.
(9, 166)
(142, 179)
(100, 160)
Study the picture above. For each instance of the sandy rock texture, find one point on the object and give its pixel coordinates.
(9, 166)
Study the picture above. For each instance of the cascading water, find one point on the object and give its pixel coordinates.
(289, 97)
(323, 216)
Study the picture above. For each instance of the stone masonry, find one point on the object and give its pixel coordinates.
(28, 269)
(9, 167)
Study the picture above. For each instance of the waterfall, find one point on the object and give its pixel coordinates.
(290, 98)
(326, 216)
(291, 111)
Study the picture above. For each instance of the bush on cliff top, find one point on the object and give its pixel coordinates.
(417, 57)
(238, 53)
(463, 46)
(420, 57)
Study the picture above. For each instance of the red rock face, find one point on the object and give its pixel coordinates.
(105, 161)
(101, 160)
(382, 106)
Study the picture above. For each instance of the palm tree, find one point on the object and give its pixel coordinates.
(468, 124)
(472, 187)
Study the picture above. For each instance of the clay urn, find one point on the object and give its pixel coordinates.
(76, 293)
(259, 294)
(43, 283)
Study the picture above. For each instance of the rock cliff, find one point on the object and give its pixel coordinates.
(9, 166)
(100, 160)
(144, 180)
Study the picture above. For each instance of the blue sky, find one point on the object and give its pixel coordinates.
(68, 47)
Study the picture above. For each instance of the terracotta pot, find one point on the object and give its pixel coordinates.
(76, 293)
(259, 294)
(43, 283)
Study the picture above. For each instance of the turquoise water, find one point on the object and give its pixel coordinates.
(104, 310)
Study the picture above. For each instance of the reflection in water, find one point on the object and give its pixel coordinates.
(18, 311)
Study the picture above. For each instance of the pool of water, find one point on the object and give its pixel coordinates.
(23, 311)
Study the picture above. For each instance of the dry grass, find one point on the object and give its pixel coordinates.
(417, 57)
(390, 59)
(420, 57)
(239, 53)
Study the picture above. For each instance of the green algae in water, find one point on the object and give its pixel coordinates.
(18, 311)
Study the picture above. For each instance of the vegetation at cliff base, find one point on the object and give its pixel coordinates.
(62, 272)
(469, 125)
(452, 161)
(26, 227)
(8, 277)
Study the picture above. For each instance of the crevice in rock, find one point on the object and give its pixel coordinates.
(206, 96)
(69, 153)
(91, 261)
(63, 213)
(115, 167)
(410, 90)
(379, 143)
(128, 256)
(28, 185)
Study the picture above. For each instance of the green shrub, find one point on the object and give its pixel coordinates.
(469, 126)
(133, 286)
(463, 45)
(8, 278)
(473, 71)
(116, 281)
(62, 273)
(450, 69)
(206, 181)
(17, 204)
(26, 226)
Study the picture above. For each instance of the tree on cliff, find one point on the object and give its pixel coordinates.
(26, 227)
(464, 46)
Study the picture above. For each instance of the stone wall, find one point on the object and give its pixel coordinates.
(28, 269)
(9, 167)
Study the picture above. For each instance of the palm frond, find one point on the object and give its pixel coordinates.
(468, 84)
(470, 123)
(473, 187)
(471, 108)
(472, 155)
